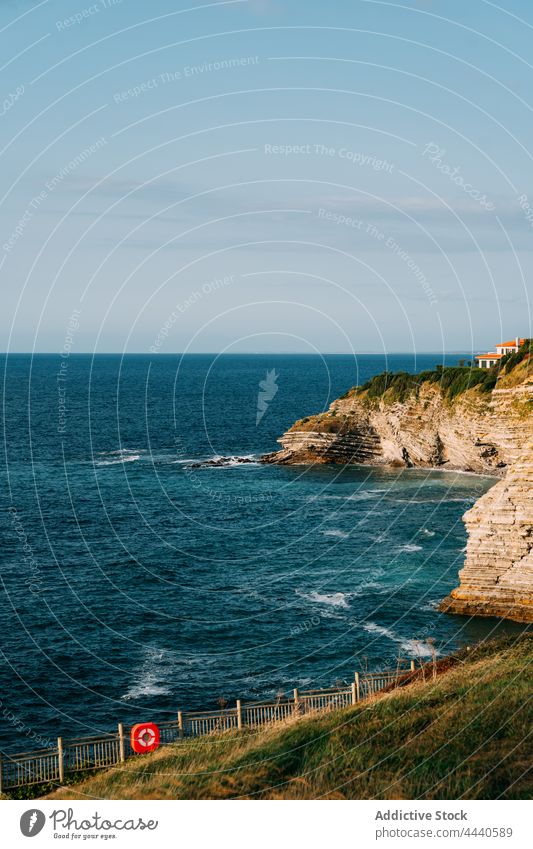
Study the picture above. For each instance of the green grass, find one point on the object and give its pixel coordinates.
(462, 735)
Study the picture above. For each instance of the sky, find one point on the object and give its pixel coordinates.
(265, 176)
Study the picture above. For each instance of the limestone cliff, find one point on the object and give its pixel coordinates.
(477, 430)
(497, 578)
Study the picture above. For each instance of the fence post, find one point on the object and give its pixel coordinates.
(354, 693)
(412, 666)
(60, 760)
(296, 700)
(239, 715)
(180, 723)
(121, 752)
(358, 687)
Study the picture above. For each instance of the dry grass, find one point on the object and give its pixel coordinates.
(463, 735)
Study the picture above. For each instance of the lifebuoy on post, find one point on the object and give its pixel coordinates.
(144, 737)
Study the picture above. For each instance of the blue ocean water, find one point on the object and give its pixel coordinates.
(136, 582)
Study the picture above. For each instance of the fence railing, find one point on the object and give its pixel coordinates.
(51, 766)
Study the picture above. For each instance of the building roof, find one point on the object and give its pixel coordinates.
(494, 356)
(511, 344)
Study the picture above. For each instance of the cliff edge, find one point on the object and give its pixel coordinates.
(497, 578)
(475, 420)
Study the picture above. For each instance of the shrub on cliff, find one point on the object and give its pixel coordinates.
(452, 380)
(510, 361)
(397, 386)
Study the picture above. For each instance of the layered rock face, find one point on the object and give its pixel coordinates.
(497, 578)
(484, 433)
(477, 433)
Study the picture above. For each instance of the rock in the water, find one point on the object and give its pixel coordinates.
(223, 462)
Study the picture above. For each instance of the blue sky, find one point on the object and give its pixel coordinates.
(265, 175)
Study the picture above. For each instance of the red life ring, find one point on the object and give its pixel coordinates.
(144, 737)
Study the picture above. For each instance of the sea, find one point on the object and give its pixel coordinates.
(149, 563)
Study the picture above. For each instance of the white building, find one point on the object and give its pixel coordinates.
(489, 360)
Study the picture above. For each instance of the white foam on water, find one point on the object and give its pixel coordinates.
(418, 648)
(334, 532)
(364, 494)
(130, 458)
(145, 688)
(359, 495)
(415, 648)
(151, 676)
(330, 599)
(121, 455)
(409, 548)
(247, 459)
(120, 452)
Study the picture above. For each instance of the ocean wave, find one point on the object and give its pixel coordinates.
(151, 676)
(334, 532)
(365, 494)
(413, 647)
(331, 599)
(120, 455)
(359, 495)
(120, 452)
(129, 458)
(409, 548)
(145, 688)
(427, 532)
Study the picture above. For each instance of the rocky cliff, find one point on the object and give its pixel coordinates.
(480, 430)
(497, 578)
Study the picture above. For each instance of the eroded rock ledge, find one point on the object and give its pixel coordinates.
(485, 433)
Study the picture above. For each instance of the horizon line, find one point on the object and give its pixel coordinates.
(231, 353)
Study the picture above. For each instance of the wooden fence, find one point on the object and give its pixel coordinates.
(50, 766)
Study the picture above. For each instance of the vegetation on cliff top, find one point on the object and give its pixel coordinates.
(463, 735)
(452, 380)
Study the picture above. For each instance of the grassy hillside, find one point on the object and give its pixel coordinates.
(462, 735)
